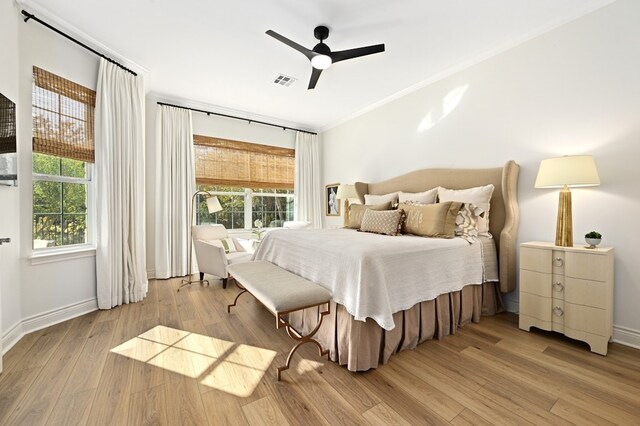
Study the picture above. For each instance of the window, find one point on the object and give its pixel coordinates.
(251, 182)
(63, 156)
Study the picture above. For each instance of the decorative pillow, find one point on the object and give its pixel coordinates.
(431, 220)
(392, 197)
(226, 243)
(387, 222)
(356, 213)
(426, 197)
(295, 224)
(479, 196)
(467, 219)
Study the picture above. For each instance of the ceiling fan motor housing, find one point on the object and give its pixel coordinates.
(321, 32)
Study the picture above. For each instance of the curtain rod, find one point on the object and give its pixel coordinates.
(238, 118)
(67, 36)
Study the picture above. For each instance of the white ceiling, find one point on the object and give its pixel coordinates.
(216, 53)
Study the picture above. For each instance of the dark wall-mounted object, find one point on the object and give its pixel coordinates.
(8, 145)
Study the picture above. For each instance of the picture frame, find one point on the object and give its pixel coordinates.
(331, 203)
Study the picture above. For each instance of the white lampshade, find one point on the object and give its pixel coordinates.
(213, 205)
(576, 170)
(346, 191)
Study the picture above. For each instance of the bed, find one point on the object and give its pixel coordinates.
(392, 293)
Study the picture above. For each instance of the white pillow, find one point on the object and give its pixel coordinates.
(480, 196)
(226, 243)
(426, 197)
(296, 224)
(392, 198)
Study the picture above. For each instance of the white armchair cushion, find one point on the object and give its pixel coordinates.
(238, 257)
(227, 244)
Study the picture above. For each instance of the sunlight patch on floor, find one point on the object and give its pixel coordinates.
(227, 366)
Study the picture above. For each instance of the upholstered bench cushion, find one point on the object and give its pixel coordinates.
(278, 289)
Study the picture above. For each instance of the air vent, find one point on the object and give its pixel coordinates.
(284, 80)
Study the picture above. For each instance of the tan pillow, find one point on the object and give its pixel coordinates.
(387, 222)
(356, 212)
(431, 220)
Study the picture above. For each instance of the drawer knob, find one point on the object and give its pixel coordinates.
(558, 286)
(559, 261)
(557, 311)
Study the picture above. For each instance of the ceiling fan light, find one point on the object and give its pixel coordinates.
(321, 62)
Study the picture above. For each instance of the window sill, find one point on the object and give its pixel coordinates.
(61, 254)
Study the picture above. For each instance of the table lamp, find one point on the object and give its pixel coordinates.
(565, 172)
(344, 193)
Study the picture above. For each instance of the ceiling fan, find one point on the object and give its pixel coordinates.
(321, 56)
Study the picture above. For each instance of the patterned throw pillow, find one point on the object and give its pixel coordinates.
(431, 220)
(226, 243)
(479, 196)
(467, 220)
(356, 212)
(387, 222)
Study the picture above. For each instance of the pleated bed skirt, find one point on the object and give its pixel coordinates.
(362, 345)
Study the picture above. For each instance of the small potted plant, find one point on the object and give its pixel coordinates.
(258, 231)
(593, 238)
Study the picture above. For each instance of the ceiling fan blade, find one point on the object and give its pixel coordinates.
(315, 75)
(343, 55)
(306, 52)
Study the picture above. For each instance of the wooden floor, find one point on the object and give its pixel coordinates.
(95, 370)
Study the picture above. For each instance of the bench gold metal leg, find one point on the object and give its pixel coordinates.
(300, 338)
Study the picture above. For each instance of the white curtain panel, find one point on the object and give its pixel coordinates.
(120, 254)
(175, 185)
(307, 188)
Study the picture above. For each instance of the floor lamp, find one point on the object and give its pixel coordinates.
(213, 205)
(344, 193)
(565, 172)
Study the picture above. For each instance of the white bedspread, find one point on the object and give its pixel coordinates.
(372, 275)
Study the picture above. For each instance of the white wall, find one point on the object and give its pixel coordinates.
(10, 312)
(575, 90)
(46, 293)
(211, 125)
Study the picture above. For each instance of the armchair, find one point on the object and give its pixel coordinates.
(210, 253)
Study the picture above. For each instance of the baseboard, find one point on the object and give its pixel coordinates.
(46, 319)
(151, 274)
(626, 336)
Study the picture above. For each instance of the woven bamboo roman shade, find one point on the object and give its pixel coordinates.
(7, 125)
(241, 164)
(63, 117)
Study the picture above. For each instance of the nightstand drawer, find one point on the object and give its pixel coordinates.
(586, 318)
(535, 306)
(535, 259)
(587, 266)
(535, 283)
(586, 292)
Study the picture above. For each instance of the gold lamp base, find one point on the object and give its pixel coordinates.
(346, 212)
(564, 226)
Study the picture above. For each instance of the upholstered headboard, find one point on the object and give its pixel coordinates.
(504, 214)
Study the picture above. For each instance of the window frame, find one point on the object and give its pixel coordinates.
(248, 195)
(50, 85)
(88, 181)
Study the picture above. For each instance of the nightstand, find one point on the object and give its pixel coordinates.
(568, 290)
